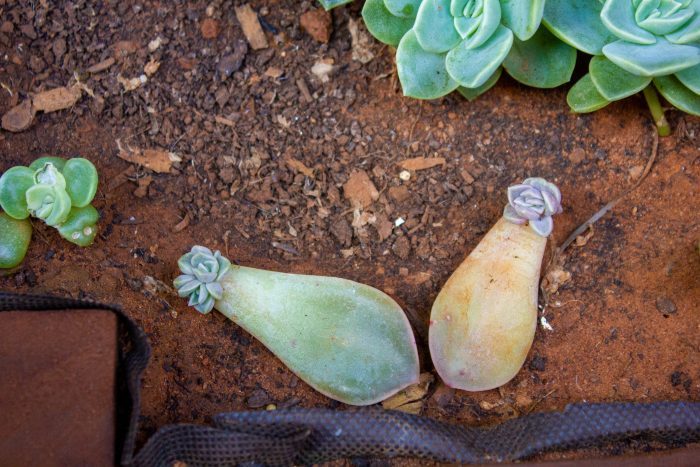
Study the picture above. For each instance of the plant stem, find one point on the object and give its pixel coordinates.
(657, 112)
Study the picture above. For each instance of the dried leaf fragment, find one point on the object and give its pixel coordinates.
(130, 84)
(19, 117)
(151, 67)
(158, 160)
(57, 99)
(410, 399)
(422, 163)
(361, 42)
(299, 166)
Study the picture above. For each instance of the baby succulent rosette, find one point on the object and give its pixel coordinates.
(201, 276)
(56, 191)
(462, 44)
(634, 43)
(534, 201)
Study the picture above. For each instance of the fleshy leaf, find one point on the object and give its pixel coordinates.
(618, 16)
(472, 93)
(613, 82)
(328, 4)
(434, 27)
(403, 8)
(690, 77)
(15, 235)
(577, 23)
(58, 162)
(472, 68)
(13, 188)
(661, 58)
(690, 32)
(422, 74)
(81, 181)
(543, 61)
(49, 203)
(489, 22)
(648, 17)
(81, 226)
(384, 26)
(522, 16)
(584, 97)
(678, 95)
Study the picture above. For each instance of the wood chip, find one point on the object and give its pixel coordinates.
(158, 160)
(132, 83)
(422, 163)
(182, 225)
(301, 84)
(224, 120)
(151, 67)
(251, 27)
(102, 66)
(360, 190)
(57, 99)
(19, 117)
(299, 166)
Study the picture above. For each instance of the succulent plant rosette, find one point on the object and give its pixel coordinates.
(638, 45)
(447, 45)
(349, 341)
(53, 190)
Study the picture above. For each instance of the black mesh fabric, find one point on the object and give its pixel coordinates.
(306, 436)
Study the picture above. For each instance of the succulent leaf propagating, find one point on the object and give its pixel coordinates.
(461, 44)
(54, 190)
(635, 43)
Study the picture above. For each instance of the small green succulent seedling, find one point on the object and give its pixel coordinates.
(347, 340)
(462, 44)
(483, 320)
(635, 44)
(330, 4)
(56, 191)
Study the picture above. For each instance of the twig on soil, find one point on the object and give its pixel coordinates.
(556, 257)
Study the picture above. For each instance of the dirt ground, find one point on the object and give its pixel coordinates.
(266, 149)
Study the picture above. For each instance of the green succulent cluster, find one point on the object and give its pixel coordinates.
(448, 45)
(54, 190)
(634, 43)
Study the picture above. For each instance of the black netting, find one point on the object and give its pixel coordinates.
(305, 436)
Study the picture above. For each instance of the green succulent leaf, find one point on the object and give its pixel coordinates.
(661, 58)
(422, 74)
(680, 96)
(690, 32)
(476, 31)
(384, 26)
(543, 61)
(329, 4)
(403, 8)
(523, 17)
(15, 235)
(49, 203)
(50, 175)
(434, 27)
(612, 82)
(81, 181)
(472, 68)
(80, 227)
(472, 93)
(58, 162)
(690, 77)
(619, 17)
(13, 188)
(584, 97)
(577, 23)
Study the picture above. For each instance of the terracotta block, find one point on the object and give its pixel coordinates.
(57, 388)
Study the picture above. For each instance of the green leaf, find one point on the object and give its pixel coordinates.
(690, 77)
(329, 4)
(690, 32)
(648, 17)
(422, 74)
(434, 27)
(15, 236)
(49, 203)
(523, 16)
(473, 67)
(13, 186)
(81, 226)
(662, 58)
(488, 24)
(403, 8)
(613, 82)
(678, 95)
(58, 162)
(384, 26)
(81, 181)
(618, 17)
(583, 97)
(577, 23)
(543, 61)
(472, 93)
